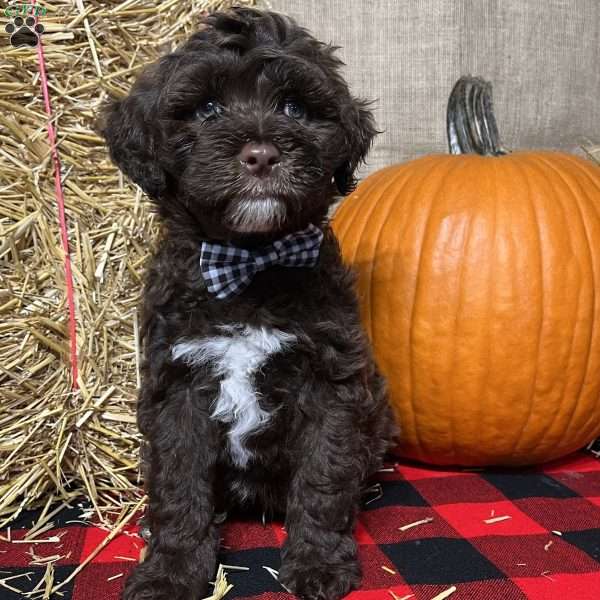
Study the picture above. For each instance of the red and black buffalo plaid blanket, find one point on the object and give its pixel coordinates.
(423, 533)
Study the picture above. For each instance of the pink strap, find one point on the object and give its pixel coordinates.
(60, 201)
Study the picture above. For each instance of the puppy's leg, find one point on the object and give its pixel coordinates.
(184, 539)
(319, 556)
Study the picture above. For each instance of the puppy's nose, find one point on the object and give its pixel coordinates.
(259, 159)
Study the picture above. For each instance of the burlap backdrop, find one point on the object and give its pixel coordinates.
(542, 58)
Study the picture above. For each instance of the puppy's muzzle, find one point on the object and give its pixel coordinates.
(260, 160)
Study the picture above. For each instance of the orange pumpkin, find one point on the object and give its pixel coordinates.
(479, 283)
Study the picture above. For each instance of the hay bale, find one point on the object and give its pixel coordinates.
(57, 443)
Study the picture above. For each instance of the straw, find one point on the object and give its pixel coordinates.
(56, 443)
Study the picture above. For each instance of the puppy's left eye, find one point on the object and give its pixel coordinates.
(293, 109)
(209, 109)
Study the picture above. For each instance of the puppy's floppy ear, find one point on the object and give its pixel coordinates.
(130, 128)
(359, 128)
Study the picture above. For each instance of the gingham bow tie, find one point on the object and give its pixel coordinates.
(228, 270)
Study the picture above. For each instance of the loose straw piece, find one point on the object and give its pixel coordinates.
(415, 524)
(102, 545)
(497, 519)
(235, 568)
(48, 581)
(275, 575)
(221, 585)
(445, 593)
(51, 540)
(378, 489)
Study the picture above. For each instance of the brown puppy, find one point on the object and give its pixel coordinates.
(259, 389)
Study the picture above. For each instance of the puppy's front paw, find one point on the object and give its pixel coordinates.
(320, 581)
(141, 586)
(150, 583)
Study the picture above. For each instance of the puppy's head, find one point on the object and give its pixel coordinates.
(248, 128)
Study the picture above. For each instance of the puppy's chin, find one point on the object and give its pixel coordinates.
(256, 215)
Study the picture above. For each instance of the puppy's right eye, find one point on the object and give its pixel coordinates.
(293, 109)
(209, 109)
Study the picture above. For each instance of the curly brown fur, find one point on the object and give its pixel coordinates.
(328, 423)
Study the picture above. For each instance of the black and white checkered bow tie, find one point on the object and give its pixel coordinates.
(228, 270)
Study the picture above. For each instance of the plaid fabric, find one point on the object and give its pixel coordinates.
(421, 532)
(228, 270)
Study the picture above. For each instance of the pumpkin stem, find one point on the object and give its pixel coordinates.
(470, 119)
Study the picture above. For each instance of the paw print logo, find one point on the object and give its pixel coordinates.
(24, 33)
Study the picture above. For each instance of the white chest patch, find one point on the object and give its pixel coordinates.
(235, 357)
